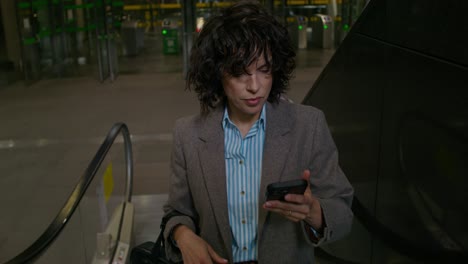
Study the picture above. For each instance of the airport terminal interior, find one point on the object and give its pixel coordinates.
(90, 91)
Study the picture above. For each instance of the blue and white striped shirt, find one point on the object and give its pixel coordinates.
(243, 158)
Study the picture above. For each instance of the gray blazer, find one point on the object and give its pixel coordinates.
(297, 138)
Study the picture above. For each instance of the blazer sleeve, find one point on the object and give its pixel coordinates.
(329, 184)
(180, 199)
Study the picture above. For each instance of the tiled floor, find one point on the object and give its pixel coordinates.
(51, 130)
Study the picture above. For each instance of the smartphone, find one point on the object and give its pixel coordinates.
(277, 190)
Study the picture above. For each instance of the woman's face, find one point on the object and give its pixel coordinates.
(247, 93)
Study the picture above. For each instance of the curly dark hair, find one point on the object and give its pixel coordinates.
(230, 42)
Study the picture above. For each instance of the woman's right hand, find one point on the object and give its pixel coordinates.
(194, 249)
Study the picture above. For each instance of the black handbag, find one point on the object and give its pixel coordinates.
(152, 252)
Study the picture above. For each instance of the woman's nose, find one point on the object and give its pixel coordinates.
(253, 85)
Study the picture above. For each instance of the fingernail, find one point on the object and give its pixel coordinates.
(268, 204)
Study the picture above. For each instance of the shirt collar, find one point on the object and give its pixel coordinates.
(261, 120)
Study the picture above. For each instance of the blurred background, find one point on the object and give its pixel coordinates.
(390, 76)
(106, 38)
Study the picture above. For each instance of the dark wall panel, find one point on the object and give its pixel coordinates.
(350, 94)
(437, 28)
(395, 95)
(373, 20)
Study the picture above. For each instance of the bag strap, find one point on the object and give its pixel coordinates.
(159, 245)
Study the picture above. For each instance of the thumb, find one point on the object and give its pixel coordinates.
(215, 257)
(306, 175)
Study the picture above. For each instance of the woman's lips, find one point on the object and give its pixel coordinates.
(253, 101)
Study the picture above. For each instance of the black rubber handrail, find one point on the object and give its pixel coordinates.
(51, 233)
(428, 254)
(395, 242)
(410, 118)
(403, 245)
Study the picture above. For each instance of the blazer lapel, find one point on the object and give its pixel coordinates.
(211, 155)
(276, 149)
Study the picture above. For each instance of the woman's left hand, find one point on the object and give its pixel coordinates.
(298, 207)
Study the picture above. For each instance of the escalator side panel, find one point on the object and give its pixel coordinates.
(350, 94)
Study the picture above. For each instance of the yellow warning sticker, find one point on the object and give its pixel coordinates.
(108, 180)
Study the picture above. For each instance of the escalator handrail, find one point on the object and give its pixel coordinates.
(391, 238)
(394, 241)
(53, 230)
(400, 243)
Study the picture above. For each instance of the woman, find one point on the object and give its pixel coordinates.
(245, 138)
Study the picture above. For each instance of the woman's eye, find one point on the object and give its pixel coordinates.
(237, 74)
(264, 70)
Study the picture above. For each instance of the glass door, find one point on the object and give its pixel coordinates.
(99, 37)
(107, 19)
(150, 38)
(30, 47)
(69, 38)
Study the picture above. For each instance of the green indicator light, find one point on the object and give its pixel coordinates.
(45, 33)
(325, 27)
(164, 32)
(118, 3)
(346, 27)
(300, 27)
(29, 41)
(24, 5)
